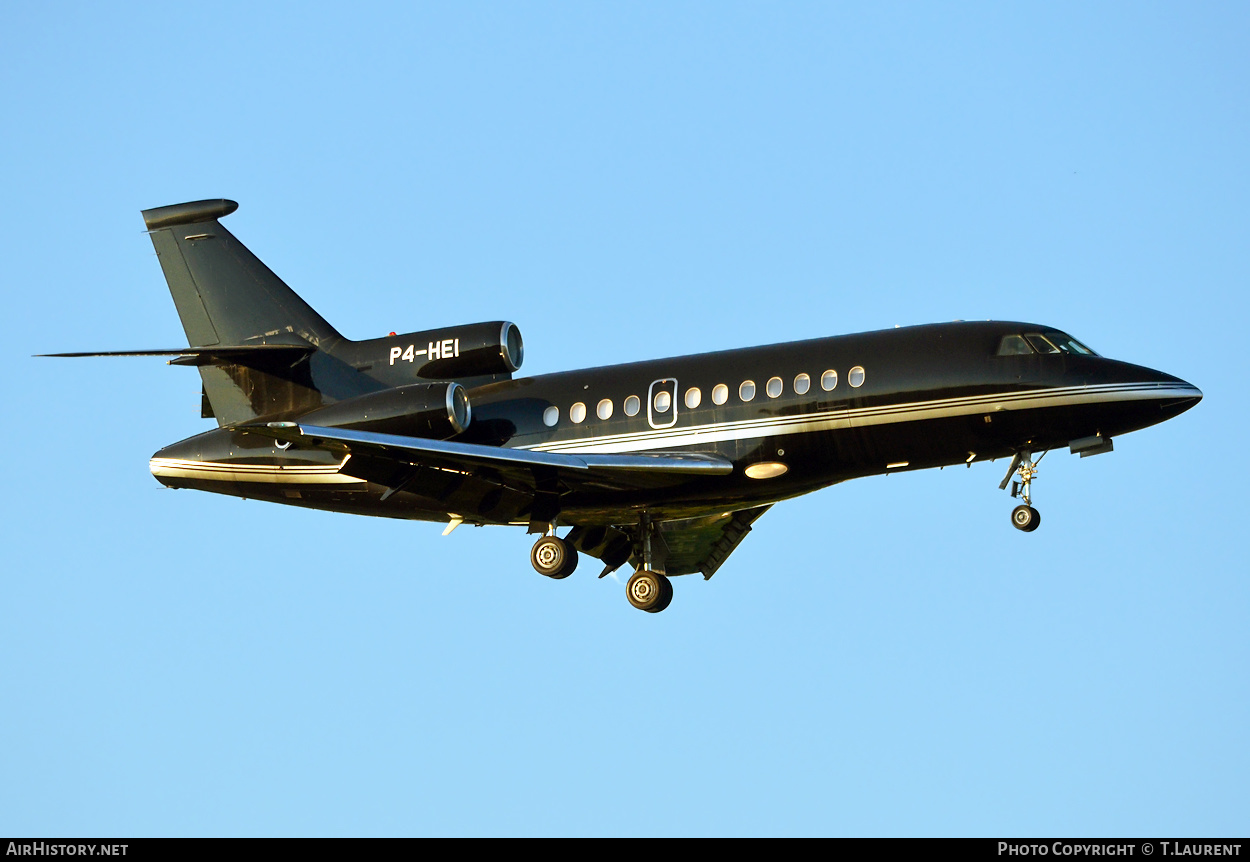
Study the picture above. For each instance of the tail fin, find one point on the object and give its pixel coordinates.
(226, 296)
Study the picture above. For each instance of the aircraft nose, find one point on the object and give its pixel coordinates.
(1138, 397)
(1193, 397)
(1176, 395)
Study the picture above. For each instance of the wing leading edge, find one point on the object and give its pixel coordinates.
(517, 465)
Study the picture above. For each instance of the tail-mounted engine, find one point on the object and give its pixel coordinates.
(453, 353)
(432, 410)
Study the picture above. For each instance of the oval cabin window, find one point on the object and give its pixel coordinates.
(577, 413)
(720, 393)
(551, 416)
(802, 383)
(856, 377)
(663, 401)
(829, 380)
(773, 387)
(632, 405)
(747, 390)
(604, 410)
(693, 398)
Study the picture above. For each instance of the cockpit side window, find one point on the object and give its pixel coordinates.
(1014, 345)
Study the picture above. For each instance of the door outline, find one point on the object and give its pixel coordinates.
(664, 384)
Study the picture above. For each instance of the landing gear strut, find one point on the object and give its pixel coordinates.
(649, 590)
(553, 557)
(1024, 518)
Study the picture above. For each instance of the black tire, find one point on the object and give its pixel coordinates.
(666, 596)
(553, 557)
(649, 591)
(1026, 518)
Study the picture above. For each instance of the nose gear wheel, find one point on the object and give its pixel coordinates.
(1026, 518)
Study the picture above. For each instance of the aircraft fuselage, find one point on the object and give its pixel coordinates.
(791, 418)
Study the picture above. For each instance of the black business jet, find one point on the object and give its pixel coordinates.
(662, 465)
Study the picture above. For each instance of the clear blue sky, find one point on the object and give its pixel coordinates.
(629, 181)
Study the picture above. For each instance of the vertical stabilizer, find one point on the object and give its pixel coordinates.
(223, 292)
(226, 296)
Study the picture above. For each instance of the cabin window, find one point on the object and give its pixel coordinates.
(578, 413)
(604, 409)
(802, 383)
(663, 401)
(693, 398)
(774, 387)
(1014, 345)
(829, 380)
(855, 377)
(720, 393)
(747, 390)
(551, 416)
(632, 405)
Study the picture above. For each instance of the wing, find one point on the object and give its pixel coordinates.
(393, 461)
(689, 545)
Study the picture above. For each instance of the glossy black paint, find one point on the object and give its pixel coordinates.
(916, 365)
(310, 418)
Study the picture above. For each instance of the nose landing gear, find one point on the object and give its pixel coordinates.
(1024, 518)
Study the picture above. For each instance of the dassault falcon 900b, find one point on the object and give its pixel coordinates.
(661, 465)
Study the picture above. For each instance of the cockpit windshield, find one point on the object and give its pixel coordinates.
(1067, 344)
(1050, 341)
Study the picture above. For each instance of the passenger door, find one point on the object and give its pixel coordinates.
(662, 403)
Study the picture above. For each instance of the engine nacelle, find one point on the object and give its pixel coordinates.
(474, 350)
(430, 410)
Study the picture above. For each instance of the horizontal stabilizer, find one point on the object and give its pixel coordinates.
(238, 354)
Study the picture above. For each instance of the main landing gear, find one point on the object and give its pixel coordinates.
(1024, 518)
(553, 557)
(648, 589)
